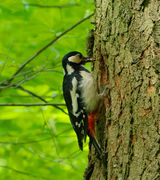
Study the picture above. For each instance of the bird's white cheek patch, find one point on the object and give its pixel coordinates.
(74, 59)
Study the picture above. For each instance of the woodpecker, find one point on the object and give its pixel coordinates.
(81, 97)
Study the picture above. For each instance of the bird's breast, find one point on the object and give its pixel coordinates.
(89, 91)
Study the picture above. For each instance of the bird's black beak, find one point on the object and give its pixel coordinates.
(87, 59)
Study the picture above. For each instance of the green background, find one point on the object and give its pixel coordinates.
(39, 142)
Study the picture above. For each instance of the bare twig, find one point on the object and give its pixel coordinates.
(28, 77)
(45, 47)
(35, 74)
(59, 160)
(24, 173)
(31, 93)
(50, 69)
(26, 96)
(27, 142)
(38, 97)
(43, 69)
(32, 141)
(53, 6)
(25, 79)
(32, 104)
(37, 141)
(32, 76)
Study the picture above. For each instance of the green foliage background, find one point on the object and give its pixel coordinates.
(38, 142)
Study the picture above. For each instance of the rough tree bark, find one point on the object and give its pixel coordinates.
(126, 44)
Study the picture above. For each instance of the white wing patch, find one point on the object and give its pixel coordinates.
(74, 97)
(79, 123)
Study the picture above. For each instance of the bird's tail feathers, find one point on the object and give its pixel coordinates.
(96, 145)
(80, 143)
(93, 141)
(81, 138)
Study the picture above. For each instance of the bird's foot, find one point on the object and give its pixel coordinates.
(103, 93)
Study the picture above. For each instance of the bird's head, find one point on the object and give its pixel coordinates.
(74, 60)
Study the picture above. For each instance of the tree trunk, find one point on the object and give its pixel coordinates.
(126, 43)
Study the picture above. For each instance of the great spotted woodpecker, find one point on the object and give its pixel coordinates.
(81, 97)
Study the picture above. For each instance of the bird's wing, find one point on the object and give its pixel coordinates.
(76, 109)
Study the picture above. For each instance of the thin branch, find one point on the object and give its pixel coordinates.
(28, 75)
(28, 142)
(37, 141)
(59, 160)
(50, 69)
(25, 79)
(24, 173)
(43, 69)
(32, 76)
(38, 97)
(45, 47)
(31, 93)
(32, 104)
(52, 6)
(26, 96)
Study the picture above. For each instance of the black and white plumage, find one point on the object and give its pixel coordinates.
(80, 94)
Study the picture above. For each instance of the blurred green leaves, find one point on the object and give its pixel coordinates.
(38, 142)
